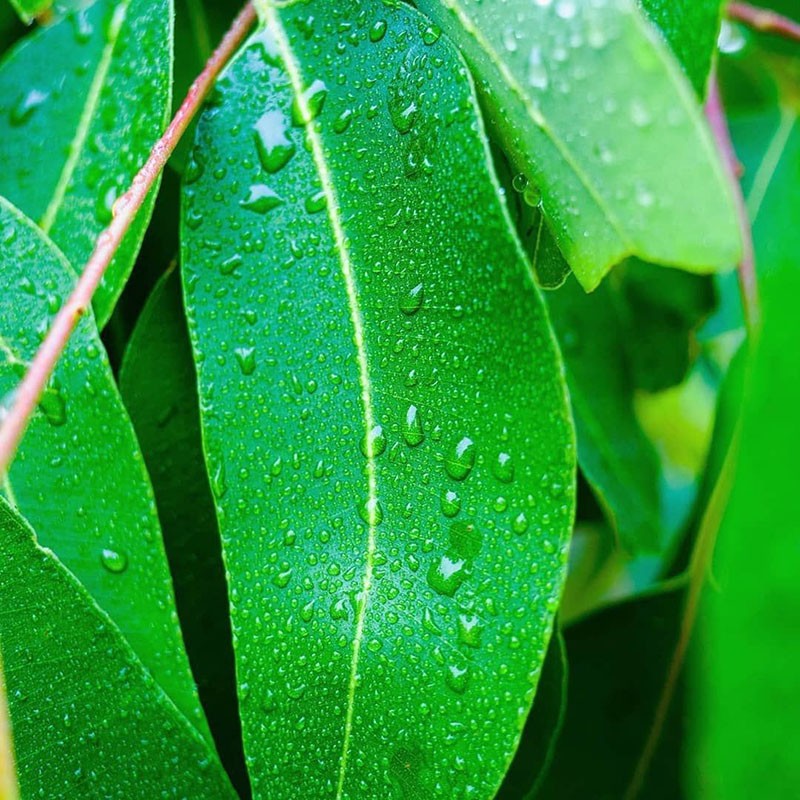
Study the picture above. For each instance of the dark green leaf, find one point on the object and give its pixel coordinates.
(746, 690)
(383, 411)
(618, 460)
(593, 109)
(89, 721)
(73, 136)
(542, 729)
(618, 662)
(28, 10)
(690, 27)
(79, 475)
(159, 387)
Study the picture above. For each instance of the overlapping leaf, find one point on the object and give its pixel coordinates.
(72, 137)
(79, 475)
(593, 109)
(383, 411)
(89, 720)
(8, 770)
(159, 387)
(28, 10)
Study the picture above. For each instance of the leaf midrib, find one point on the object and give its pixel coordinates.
(295, 75)
(84, 123)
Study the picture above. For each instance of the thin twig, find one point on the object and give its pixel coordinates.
(748, 285)
(125, 209)
(765, 21)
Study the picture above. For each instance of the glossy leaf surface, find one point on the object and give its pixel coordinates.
(28, 10)
(690, 27)
(72, 138)
(159, 387)
(78, 475)
(89, 720)
(745, 681)
(616, 456)
(624, 162)
(383, 411)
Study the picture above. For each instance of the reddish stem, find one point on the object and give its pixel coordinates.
(763, 20)
(748, 284)
(125, 210)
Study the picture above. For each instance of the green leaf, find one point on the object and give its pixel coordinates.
(72, 137)
(542, 729)
(617, 458)
(383, 411)
(78, 475)
(592, 108)
(28, 10)
(8, 770)
(159, 386)
(690, 28)
(745, 678)
(89, 720)
(618, 662)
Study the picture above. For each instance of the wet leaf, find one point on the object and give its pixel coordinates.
(89, 720)
(394, 507)
(28, 10)
(8, 770)
(159, 387)
(72, 138)
(78, 475)
(604, 153)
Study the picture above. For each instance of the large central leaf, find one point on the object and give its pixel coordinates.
(383, 408)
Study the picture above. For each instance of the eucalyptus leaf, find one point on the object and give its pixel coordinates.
(159, 387)
(593, 109)
(72, 138)
(745, 735)
(383, 411)
(79, 475)
(89, 720)
(691, 28)
(615, 455)
(618, 662)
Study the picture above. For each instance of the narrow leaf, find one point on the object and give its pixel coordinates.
(28, 10)
(79, 475)
(394, 508)
(690, 28)
(593, 109)
(89, 720)
(617, 458)
(159, 386)
(745, 739)
(72, 138)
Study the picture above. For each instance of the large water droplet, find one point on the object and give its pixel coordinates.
(457, 676)
(450, 503)
(446, 575)
(503, 468)
(378, 31)
(246, 359)
(461, 460)
(273, 144)
(25, 107)
(411, 301)
(412, 429)
(309, 105)
(114, 560)
(371, 511)
(469, 630)
(261, 199)
(374, 441)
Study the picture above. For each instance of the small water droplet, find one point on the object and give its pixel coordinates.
(114, 560)
(342, 122)
(246, 359)
(503, 468)
(450, 502)
(309, 105)
(520, 523)
(53, 405)
(316, 202)
(25, 107)
(412, 300)
(461, 460)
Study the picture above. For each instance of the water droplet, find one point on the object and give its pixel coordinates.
(446, 575)
(342, 122)
(309, 105)
(113, 560)
(230, 265)
(640, 116)
(376, 439)
(451, 503)
(281, 580)
(25, 107)
(378, 31)
(218, 482)
(246, 359)
(429, 622)
(537, 72)
(412, 430)
(519, 182)
(261, 199)
(316, 202)
(457, 677)
(462, 459)
(520, 523)
(469, 630)
(107, 194)
(53, 406)
(275, 148)
(431, 34)
(503, 468)
(411, 301)
(371, 511)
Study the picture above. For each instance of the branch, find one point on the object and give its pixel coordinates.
(125, 210)
(760, 19)
(748, 284)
